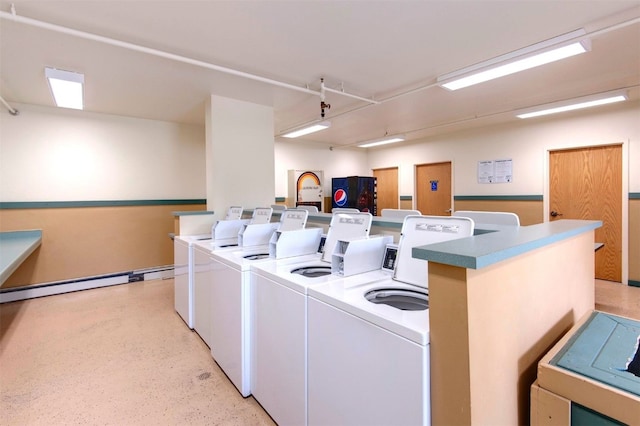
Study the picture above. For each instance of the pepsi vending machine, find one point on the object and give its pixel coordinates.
(360, 192)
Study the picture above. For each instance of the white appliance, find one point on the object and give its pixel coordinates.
(234, 213)
(279, 303)
(368, 338)
(398, 213)
(183, 275)
(224, 236)
(230, 294)
(490, 218)
(183, 261)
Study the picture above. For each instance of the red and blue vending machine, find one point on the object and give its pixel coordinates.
(360, 192)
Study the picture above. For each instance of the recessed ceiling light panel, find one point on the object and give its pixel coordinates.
(383, 141)
(66, 87)
(573, 104)
(308, 129)
(548, 51)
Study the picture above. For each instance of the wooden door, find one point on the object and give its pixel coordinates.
(433, 189)
(387, 181)
(586, 183)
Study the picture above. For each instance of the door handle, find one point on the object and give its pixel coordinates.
(555, 213)
(448, 211)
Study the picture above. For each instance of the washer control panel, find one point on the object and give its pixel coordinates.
(389, 258)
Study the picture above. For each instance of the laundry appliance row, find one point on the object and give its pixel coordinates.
(352, 343)
(323, 328)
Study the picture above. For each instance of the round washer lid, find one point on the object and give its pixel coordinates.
(257, 256)
(312, 271)
(406, 300)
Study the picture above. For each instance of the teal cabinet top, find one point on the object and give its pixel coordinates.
(15, 247)
(605, 349)
(192, 212)
(492, 243)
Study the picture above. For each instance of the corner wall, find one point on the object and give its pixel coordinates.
(81, 242)
(102, 188)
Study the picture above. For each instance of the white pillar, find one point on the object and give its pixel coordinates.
(240, 155)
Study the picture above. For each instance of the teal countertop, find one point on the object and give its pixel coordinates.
(493, 244)
(192, 212)
(605, 349)
(15, 247)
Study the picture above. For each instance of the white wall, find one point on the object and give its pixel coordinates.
(53, 154)
(300, 156)
(526, 143)
(240, 166)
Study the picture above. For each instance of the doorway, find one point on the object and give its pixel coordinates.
(586, 183)
(387, 181)
(433, 189)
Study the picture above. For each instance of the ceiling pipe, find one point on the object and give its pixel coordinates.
(150, 51)
(9, 108)
(592, 34)
(462, 120)
(178, 58)
(89, 36)
(360, 98)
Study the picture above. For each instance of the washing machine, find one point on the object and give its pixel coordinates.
(225, 235)
(368, 342)
(183, 275)
(279, 303)
(230, 293)
(183, 260)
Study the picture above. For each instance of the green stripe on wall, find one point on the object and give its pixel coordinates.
(632, 196)
(633, 283)
(280, 199)
(498, 198)
(105, 203)
(406, 197)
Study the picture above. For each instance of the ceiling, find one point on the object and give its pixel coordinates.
(388, 51)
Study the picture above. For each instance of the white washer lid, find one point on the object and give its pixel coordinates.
(344, 226)
(293, 219)
(261, 215)
(422, 230)
(234, 212)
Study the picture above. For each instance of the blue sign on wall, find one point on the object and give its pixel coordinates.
(434, 185)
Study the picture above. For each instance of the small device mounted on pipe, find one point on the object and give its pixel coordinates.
(323, 104)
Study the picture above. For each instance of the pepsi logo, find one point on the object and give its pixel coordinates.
(340, 197)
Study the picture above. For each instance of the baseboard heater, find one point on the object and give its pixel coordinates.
(87, 283)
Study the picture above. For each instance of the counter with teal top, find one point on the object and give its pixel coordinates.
(493, 243)
(15, 248)
(498, 301)
(592, 375)
(192, 222)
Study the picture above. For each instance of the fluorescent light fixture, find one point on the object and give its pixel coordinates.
(66, 87)
(383, 141)
(574, 104)
(548, 51)
(308, 129)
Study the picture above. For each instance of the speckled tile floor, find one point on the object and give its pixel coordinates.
(112, 356)
(122, 356)
(618, 299)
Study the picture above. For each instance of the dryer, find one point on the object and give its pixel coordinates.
(368, 341)
(279, 302)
